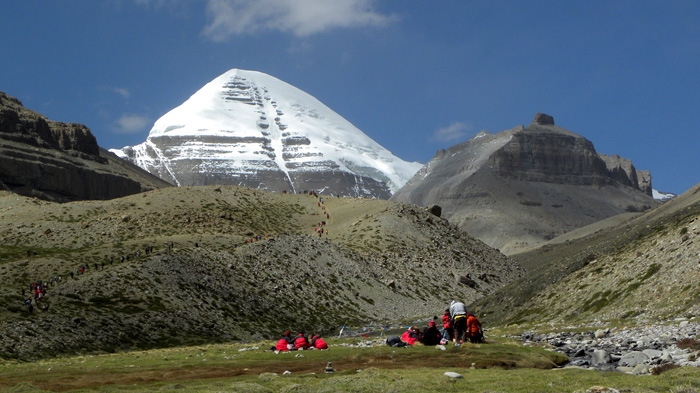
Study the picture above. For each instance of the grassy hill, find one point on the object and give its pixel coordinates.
(644, 267)
(206, 281)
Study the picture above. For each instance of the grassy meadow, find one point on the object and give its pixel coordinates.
(497, 367)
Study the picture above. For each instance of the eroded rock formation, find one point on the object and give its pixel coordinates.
(60, 161)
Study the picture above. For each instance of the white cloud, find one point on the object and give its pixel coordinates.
(121, 91)
(129, 124)
(453, 132)
(299, 17)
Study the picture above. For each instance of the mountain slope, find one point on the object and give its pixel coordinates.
(61, 161)
(645, 267)
(521, 187)
(248, 128)
(375, 261)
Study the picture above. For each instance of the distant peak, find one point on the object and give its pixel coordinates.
(541, 118)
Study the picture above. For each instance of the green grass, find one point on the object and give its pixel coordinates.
(212, 368)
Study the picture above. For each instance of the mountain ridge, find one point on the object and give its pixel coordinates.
(61, 161)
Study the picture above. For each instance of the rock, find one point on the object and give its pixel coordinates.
(600, 333)
(652, 353)
(453, 375)
(435, 210)
(633, 358)
(666, 356)
(624, 369)
(601, 389)
(466, 280)
(541, 118)
(683, 324)
(599, 357)
(640, 369)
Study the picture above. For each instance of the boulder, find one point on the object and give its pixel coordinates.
(652, 353)
(600, 357)
(640, 369)
(666, 356)
(633, 358)
(435, 210)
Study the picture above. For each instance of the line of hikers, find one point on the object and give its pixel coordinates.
(298, 343)
(319, 229)
(459, 326)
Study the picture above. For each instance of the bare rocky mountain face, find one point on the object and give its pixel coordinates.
(250, 129)
(61, 161)
(519, 188)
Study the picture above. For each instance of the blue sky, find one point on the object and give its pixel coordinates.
(416, 76)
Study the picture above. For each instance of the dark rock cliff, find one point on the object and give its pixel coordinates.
(60, 161)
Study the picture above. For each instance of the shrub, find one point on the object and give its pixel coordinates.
(688, 343)
(663, 367)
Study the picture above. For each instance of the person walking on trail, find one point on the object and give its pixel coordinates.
(458, 313)
(474, 331)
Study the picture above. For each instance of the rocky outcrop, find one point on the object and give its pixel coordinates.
(60, 161)
(549, 154)
(623, 171)
(521, 187)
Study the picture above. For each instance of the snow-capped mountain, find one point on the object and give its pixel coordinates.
(249, 128)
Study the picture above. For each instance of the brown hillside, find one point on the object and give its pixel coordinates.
(376, 261)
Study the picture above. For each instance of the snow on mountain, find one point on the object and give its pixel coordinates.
(249, 128)
(662, 196)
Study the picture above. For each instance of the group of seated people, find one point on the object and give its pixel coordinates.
(430, 336)
(459, 325)
(298, 343)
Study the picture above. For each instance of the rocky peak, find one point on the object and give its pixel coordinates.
(520, 187)
(542, 119)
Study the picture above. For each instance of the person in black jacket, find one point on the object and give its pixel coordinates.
(431, 335)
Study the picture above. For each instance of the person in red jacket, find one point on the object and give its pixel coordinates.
(318, 343)
(301, 342)
(474, 332)
(285, 343)
(447, 325)
(411, 336)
